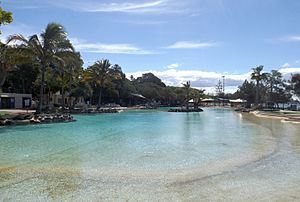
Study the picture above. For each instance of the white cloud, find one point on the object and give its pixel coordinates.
(136, 7)
(125, 7)
(122, 48)
(206, 79)
(191, 45)
(289, 71)
(199, 79)
(173, 66)
(285, 65)
(292, 38)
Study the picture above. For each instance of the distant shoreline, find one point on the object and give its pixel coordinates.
(283, 115)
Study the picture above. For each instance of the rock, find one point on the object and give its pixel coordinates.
(185, 110)
(8, 122)
(32, 120)
(22, 122)
(22, 119)
(37, 121)
(9, 116)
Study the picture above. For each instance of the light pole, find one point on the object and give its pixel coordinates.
(223, 77)
(223, 85)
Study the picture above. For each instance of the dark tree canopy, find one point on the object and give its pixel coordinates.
(296, 84)
(150, 78)
(247, 91)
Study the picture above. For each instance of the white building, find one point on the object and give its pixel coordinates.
(15, 101)
(55, 99)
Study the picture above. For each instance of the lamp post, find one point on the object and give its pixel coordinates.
(223, 84)
(223, 77)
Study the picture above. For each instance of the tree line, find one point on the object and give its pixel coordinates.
(48, 63)
(269, 88)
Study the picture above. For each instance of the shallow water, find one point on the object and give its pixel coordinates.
(152, 155)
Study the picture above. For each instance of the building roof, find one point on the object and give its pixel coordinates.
(208, 100)
(15, 95)
(238, 101)
(138, 95)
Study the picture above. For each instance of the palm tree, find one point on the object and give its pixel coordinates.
(197, 95)
(73, 70)
(65, 70)
(44, 49)
(257, 75)
(82, 89)
(99, 75)
(187, 89)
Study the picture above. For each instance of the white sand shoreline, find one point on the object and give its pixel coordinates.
(283, 117)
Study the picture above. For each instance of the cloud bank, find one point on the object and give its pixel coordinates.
(206, 79)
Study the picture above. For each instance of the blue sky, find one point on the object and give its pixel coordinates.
(197, 40)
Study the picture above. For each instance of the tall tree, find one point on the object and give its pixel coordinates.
(149, 78)
(81, 89)
(6, 62)
(273, 79)
(257, 75)
(276, 88)
(9, 57)
(21, 78)
(187, 89)
(247, 91)
(296, 84)
(44, 49)
(197, 95)
(101, 75)
(67, 69)
(119, 84)
(219, 88)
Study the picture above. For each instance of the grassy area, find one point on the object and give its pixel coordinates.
(291, 113)
(282, 113)
(4, 113)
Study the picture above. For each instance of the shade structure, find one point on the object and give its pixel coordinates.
(238, 101)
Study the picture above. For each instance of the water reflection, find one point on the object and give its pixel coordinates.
(149, 150)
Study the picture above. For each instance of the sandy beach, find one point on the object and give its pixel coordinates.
(283, 115)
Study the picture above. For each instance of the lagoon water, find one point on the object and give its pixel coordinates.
(217, 155)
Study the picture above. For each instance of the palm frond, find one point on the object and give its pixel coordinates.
(17, 37)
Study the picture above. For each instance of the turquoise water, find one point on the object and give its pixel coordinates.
(117, 154)
(135, 140)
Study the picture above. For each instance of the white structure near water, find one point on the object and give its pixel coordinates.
(15, 101)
